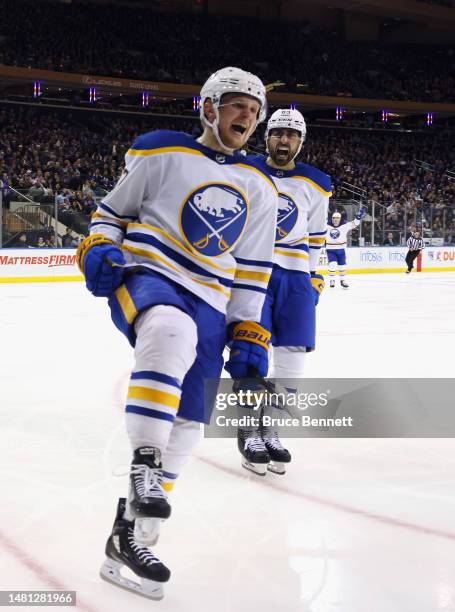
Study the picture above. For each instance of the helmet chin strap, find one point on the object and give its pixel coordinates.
(299, 149)
(214, 127)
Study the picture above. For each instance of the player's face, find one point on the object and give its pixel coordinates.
(238, 117)
(336, 221)
(283, 144)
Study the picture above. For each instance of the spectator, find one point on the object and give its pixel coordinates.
(22, 241)
(47, 146)
(68, 240)
(325, 63)
(389, 241)
(36, 191)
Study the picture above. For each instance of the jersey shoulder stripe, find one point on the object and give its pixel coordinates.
(162, 139)
(315, 176)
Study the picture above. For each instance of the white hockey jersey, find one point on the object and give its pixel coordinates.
(302, 214)
(337, 236)
(201, 218)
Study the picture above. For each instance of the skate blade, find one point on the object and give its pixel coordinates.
(276, 468)
(110, 572)
(260, 469)
(147, 530)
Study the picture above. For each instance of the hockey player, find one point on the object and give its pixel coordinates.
(336, 245)
(289, 311)
(182, 245)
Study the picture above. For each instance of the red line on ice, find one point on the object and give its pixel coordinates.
(40, 571)
(386, 520)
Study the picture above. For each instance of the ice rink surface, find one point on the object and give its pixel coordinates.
(354, 526)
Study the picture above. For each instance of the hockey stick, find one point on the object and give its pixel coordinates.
(127, 268)
(272, 389)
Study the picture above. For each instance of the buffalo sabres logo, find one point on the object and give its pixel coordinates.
(334, 233)
(279, 173)
(287, 216)
(220, 159)
(212, 218)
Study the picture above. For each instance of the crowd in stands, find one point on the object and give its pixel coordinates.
(72, 159)
(113, 40)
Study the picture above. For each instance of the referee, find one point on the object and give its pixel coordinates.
(415, 244)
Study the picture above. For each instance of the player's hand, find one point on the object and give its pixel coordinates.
(361, 213)
(249, 355)
(95, 257)
(318, 284)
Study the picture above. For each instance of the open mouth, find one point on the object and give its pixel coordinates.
(240, 129)
(282, 151)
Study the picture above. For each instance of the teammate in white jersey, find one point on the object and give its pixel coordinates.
(182, 247)
(336, 245)
(289, 311)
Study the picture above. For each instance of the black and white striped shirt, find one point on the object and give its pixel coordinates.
(415, 244)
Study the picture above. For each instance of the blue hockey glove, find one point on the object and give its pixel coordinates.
(93, 257)
(249, 350)
(318, 284)
(361, 213)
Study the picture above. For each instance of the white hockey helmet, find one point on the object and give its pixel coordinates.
(289, 118)
(231, 80)
(336, 215)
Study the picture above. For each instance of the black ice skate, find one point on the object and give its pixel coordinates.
(147, 499)
(344, 284)
(122, 550)
(279, 455)
(253, 450)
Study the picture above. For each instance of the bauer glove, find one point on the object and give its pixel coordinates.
(318, 284)
(249, 350)
(95, 257)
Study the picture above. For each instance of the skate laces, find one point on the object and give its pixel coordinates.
(254, 443)
(273, 441)
(147, 481)
(144, 554)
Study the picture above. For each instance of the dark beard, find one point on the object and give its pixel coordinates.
(282, 162)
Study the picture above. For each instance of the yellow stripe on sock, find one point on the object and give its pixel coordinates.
(153, 395)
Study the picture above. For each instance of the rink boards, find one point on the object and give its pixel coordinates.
(47, 265)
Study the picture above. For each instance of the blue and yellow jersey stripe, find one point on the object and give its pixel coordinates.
(317, 239)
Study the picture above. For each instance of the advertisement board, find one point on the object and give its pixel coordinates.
(36, 265)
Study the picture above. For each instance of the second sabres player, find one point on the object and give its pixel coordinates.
(336, 243)
(182, 246)
(289, 311)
